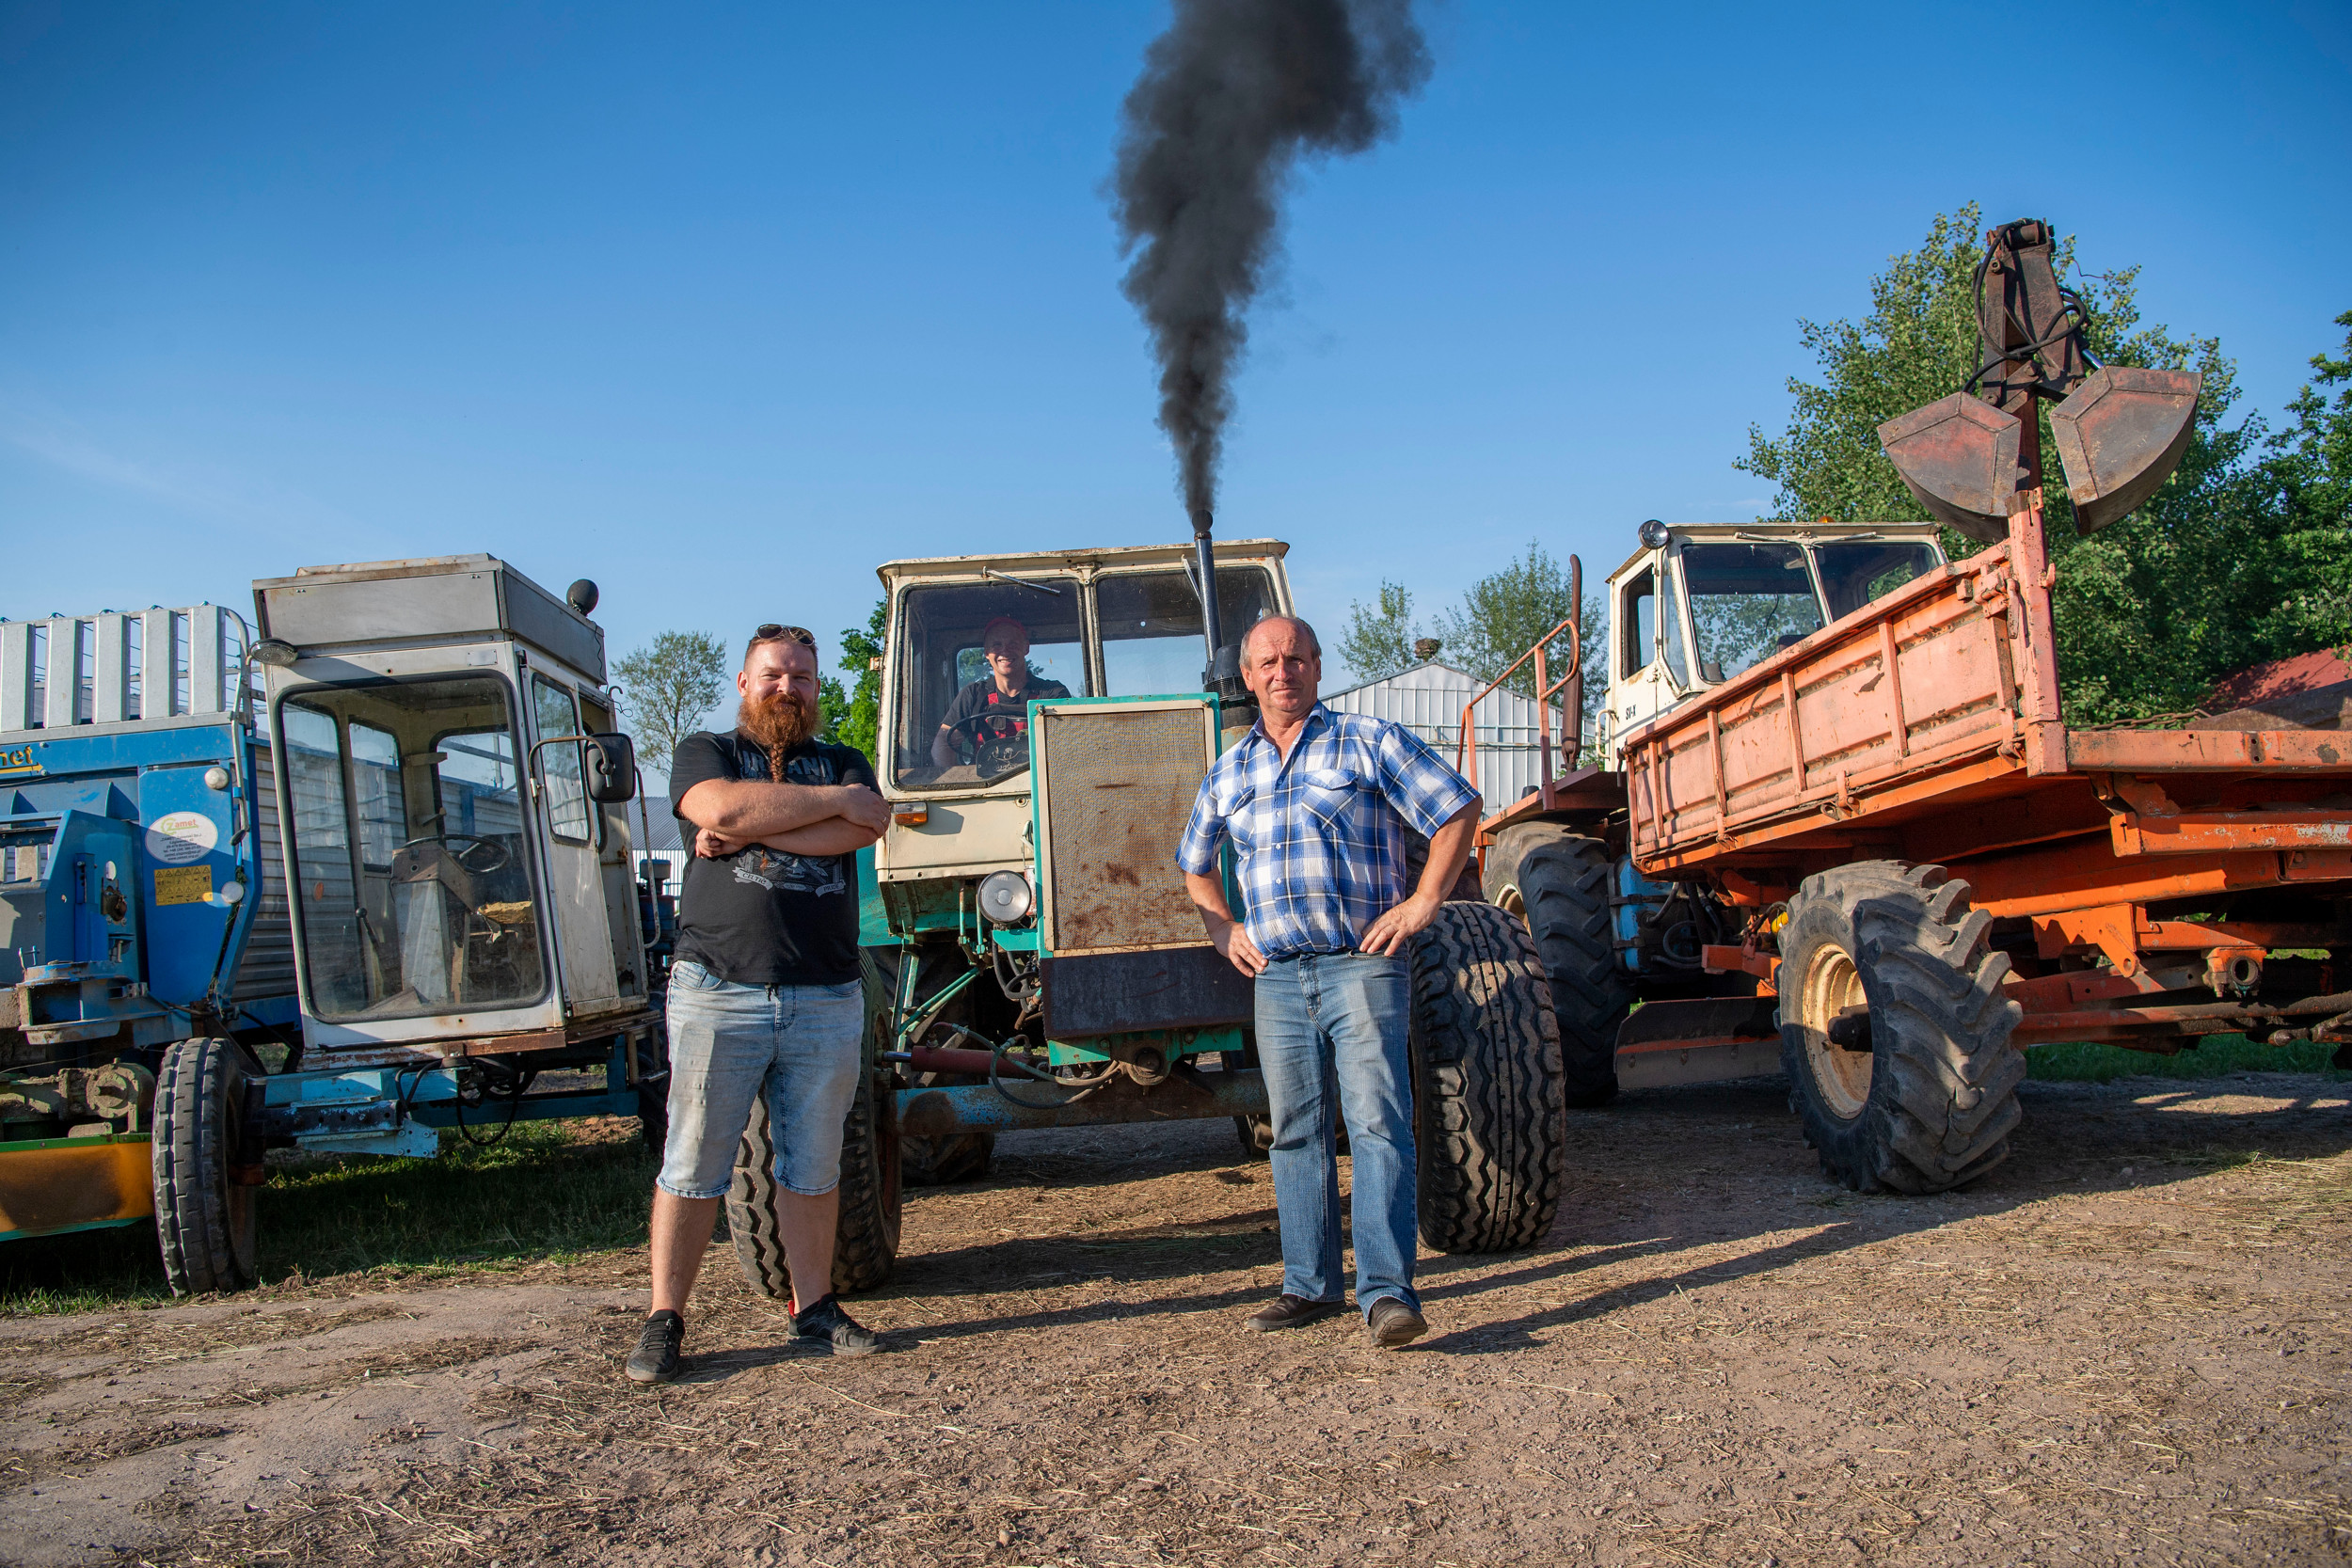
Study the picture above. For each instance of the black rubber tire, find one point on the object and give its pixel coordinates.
(653, 1092)
(1490, 1127)
(939, 1161)
(1561, 881)
(1256, 1137)
(1938, 1100)
(205, 1216)
(865, 1245)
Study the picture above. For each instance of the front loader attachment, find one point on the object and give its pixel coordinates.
(2121, 436)
(1959, 458)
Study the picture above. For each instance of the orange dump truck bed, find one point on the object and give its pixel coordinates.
(1925, 728)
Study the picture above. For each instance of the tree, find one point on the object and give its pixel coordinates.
(1378, 641)
(667, 687)
(859, 722)
(2217, 571)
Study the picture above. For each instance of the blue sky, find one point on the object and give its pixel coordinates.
(723, 304)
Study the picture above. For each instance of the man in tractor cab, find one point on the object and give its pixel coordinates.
(764, 996)
(1317, 803)
(992, 714)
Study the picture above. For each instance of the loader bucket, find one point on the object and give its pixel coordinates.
(1959, 458)
(2120, 435)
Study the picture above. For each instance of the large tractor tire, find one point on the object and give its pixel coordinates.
(866, 1243)
(1894, 1029)
(203, 1197)
(1490, 1128)
(1559, 882)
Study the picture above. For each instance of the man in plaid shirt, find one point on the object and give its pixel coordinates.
(1315, 804)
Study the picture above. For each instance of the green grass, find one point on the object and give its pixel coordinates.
(552, 1191)
(2216, 1056)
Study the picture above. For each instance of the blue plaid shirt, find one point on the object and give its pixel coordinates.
(1319, 836)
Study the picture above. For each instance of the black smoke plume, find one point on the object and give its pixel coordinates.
(1230, 96)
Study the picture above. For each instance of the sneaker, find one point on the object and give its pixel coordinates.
(655, 1358)
(841, 1334)
(1391, 1324)
(1289, 1312)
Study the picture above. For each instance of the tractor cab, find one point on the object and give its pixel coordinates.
(1100, 624)
(455, 854)
(1698, 604)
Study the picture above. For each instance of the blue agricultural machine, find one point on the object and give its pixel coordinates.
(333, 885)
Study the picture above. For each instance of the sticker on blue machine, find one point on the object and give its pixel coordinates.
(181, 837)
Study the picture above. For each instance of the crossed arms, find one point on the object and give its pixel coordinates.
(799, 820)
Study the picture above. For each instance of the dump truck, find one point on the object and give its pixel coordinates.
(1841, 826)
(331, 880)
(1030, 955)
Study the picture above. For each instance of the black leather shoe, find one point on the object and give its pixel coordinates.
(656, 1359)
(1289, 1311)
(825, 1322)
(1391, 1324)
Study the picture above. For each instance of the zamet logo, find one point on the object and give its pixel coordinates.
(17, 761)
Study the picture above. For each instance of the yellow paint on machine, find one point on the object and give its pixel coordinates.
(70, 1183)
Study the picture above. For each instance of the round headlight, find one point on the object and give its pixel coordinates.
(1007, 899)
(276, 652)
(1654, 534)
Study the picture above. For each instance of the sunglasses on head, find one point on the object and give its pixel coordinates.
(770, 631)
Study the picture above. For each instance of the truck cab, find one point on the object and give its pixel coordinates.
(1697, 604)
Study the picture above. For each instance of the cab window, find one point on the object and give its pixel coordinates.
(1150, 625)
(946, 681)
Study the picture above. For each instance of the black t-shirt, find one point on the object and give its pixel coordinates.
(761, 917)
(982, 695)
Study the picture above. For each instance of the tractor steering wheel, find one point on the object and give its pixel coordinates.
(993, 757)
(490, 854)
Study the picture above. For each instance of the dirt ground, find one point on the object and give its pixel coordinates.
(2127, 1345)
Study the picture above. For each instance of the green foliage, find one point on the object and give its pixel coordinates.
(833, 706)
(667, 687)
(548, 1191)
(2214, 1056)
(1378, 641)
(2238, 559)
(859, 720)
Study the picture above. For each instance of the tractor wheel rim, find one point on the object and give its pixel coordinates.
(1833, 984)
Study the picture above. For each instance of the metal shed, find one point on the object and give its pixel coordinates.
(1427, 698)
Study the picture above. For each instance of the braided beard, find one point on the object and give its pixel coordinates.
(777, 724)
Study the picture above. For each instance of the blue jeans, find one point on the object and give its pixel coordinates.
(727, 1042)
(1331, 1040)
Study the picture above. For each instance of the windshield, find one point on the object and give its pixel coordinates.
(1853, 575)
(410, 871)
(1150, 625)
(975, 655)
(1747, 601)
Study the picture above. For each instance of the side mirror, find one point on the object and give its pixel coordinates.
(611, 768)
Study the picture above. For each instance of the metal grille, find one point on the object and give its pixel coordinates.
(1120, 785)
(267, 968)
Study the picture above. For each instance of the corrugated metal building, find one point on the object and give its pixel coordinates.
(1427, 698)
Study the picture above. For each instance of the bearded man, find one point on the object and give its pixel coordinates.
(764, 994)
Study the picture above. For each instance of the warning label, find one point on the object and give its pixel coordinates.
(183, 884)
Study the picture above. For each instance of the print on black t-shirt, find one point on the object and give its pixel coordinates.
(761, 916)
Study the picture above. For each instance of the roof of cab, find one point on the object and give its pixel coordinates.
(1821, 529)
(1109, 556)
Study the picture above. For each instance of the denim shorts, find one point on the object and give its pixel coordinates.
(727, 1041)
